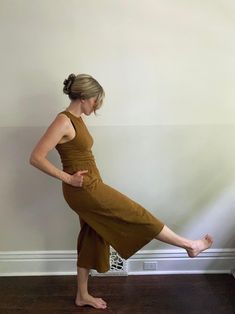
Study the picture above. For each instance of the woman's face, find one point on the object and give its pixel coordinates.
(88, 105)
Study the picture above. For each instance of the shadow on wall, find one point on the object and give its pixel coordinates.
(211, 205)
(217, 219)
(203, 164)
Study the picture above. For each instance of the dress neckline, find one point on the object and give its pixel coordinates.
(73, 115)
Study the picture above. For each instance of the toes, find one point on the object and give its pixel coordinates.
(98, 306)
(103, 305)
(102, 301)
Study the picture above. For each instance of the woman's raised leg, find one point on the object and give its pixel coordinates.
(83, 297)
(193, 247)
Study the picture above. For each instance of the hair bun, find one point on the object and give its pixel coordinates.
(68, 83)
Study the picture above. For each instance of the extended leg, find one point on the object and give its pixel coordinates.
(193, 247)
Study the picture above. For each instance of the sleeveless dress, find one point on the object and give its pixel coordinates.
(107, 217)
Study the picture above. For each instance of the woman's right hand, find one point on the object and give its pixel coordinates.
(76, 179)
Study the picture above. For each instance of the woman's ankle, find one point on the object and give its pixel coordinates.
(188, 244)
(82, 294)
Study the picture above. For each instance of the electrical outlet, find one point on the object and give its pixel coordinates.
(150, 265)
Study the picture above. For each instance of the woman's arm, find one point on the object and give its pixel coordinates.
(58, 129)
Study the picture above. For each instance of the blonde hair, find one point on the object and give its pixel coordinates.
(84, 86)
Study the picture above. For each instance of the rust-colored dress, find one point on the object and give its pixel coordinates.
(107, 216)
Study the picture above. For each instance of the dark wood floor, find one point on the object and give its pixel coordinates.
(159, 294)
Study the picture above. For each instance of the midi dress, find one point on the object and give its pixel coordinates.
(107, 216)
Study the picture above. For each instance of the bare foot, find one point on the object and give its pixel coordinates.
(200, 245)
(97, 303)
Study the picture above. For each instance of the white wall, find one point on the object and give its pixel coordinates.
(165, 135)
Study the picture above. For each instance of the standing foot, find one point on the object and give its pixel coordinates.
(97, 303)
(200, 245)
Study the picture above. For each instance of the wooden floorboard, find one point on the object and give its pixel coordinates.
(160, 294)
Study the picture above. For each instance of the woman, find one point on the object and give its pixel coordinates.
(107, 216)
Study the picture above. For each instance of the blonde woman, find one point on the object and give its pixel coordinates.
(107, 217)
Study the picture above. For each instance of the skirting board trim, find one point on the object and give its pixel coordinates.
(40, 263)
(178, 262)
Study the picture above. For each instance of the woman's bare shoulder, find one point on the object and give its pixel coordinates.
(62, 120)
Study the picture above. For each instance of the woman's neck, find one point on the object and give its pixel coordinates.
(75, 108)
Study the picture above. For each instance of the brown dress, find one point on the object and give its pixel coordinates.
(107, 216)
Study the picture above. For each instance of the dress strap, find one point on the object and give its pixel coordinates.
(74, 120)
(67, 113)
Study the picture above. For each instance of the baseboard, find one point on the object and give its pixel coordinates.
(40, 263)
(37, 263)
(178, 262)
